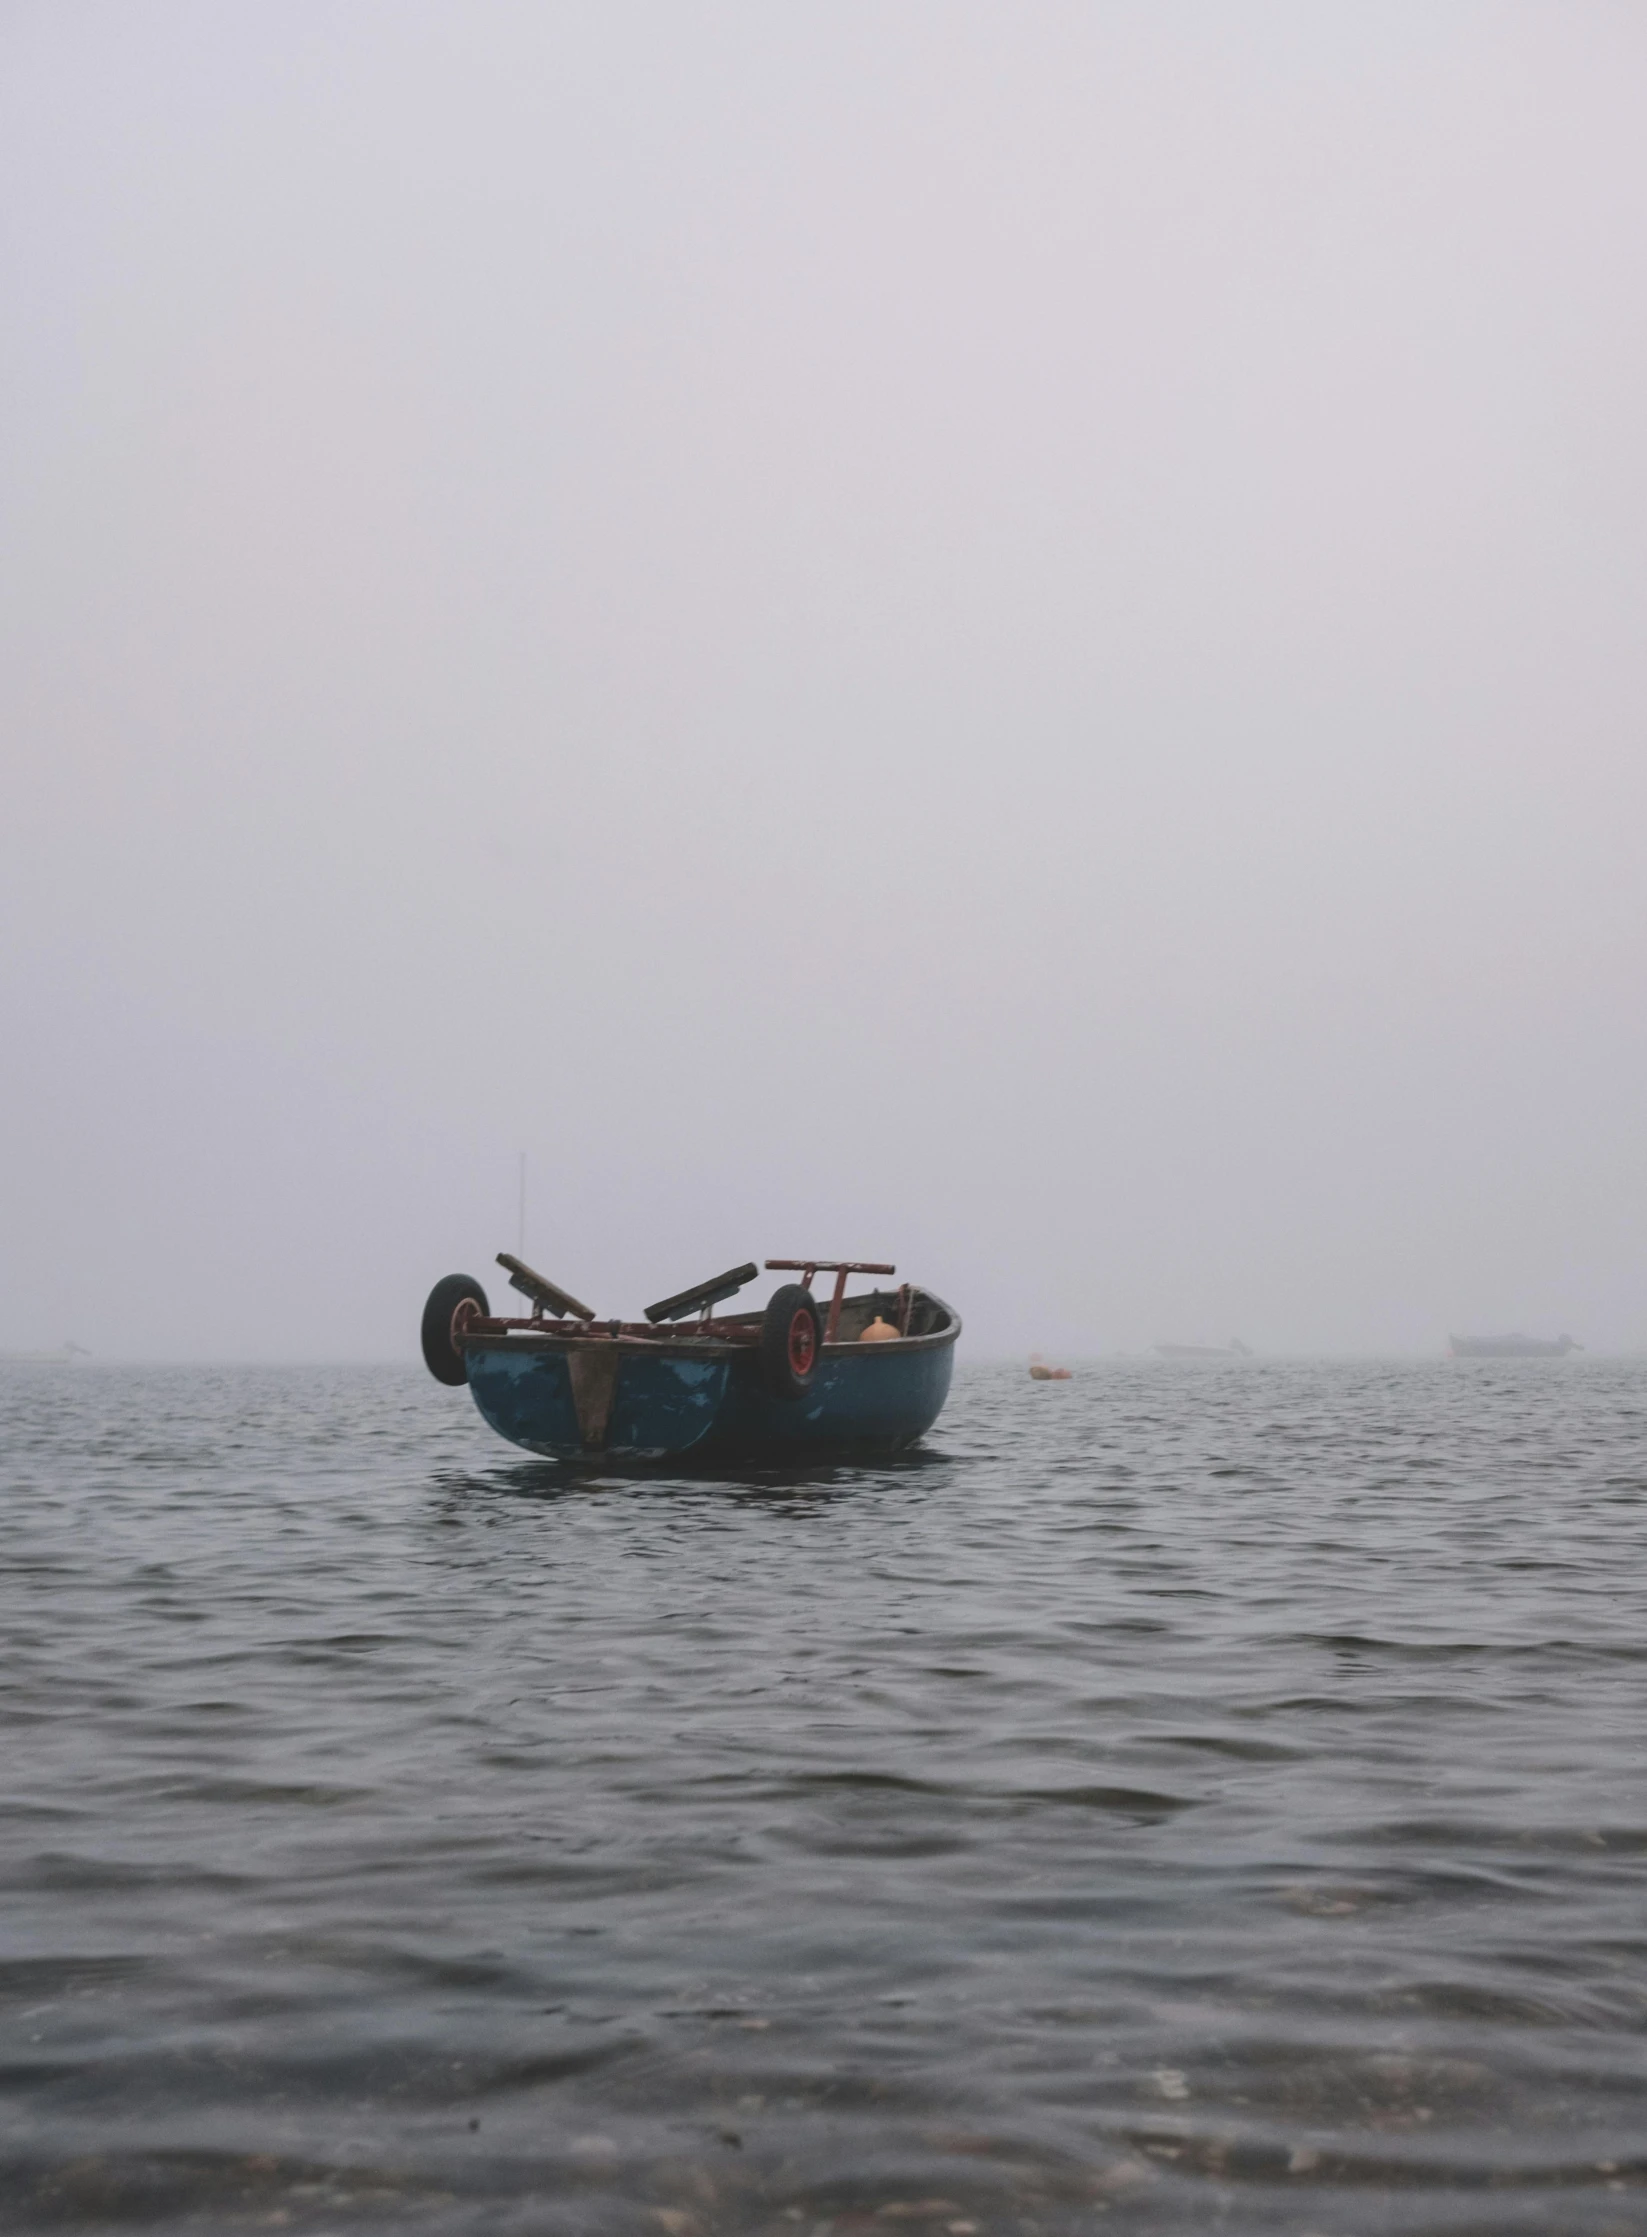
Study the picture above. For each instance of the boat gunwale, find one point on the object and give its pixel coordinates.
(649, 1341)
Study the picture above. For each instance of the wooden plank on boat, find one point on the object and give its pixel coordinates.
(541, 1290)
(706, 1294)
(594, 1372)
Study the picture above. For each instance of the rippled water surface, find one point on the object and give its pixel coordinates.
(1179, 1799)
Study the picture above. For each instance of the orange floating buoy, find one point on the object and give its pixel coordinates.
(878, 1332)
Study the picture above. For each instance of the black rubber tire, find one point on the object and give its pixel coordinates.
(440, 1354)
(789, 1359)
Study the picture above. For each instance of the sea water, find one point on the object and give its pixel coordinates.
(1186, 1798)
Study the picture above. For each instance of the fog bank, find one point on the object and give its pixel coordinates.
(1004, 638)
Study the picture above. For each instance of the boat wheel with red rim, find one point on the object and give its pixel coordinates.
(803, 1342)
(453, 1304)
(790, 1341)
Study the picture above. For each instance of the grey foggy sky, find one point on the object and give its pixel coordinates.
(1010, 637)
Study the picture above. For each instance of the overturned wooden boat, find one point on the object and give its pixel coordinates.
(866, 1373)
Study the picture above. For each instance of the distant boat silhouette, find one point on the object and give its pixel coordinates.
(1234, 1349)
(1511, 1347)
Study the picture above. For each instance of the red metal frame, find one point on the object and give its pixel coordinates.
(839, 1267)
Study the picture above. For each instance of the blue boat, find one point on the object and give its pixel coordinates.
(862, 1374)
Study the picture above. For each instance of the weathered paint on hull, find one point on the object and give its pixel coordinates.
(668, 1403)
(658, 1406)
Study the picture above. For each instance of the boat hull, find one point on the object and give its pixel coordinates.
(578, 1399)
